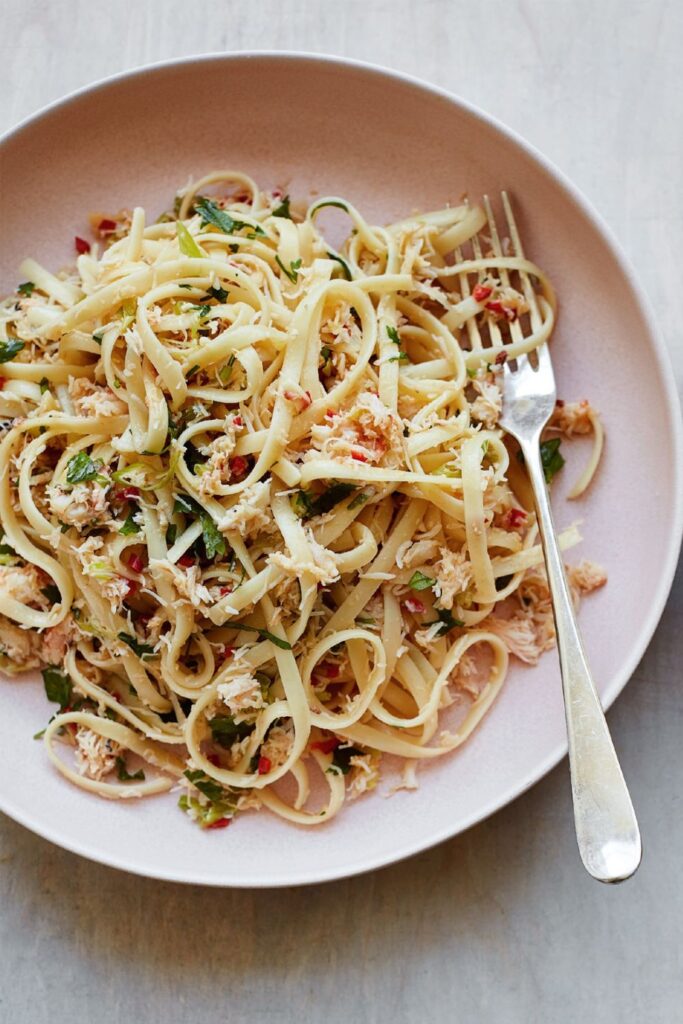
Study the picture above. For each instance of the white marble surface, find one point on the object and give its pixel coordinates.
(500, 924)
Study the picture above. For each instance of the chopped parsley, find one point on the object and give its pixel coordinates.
(193, 457)
(341, 759)
(447, 621)
(211, 789)
(58, 686)
(402, 357)
(552, 459)
(219, 294)
(9, 349)
(266, 635)
(392, 334)
(27, 288)
(130, 526)
(51, 592)
(212, 214)
(418, 581)
(325, 357)
(308, 504)
(214, 542)
(330, 202)
(293, 272)
(283, 209)
(142, 650)
(81, 469)
(359, 500)
(225, 730)
(124, 775)
(342, 263)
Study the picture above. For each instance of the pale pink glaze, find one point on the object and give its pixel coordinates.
(390, 145)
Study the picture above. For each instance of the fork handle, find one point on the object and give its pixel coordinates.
(606, 826)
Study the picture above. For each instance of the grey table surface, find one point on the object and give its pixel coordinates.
(499, 924)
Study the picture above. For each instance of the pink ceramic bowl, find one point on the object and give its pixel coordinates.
(391, 145)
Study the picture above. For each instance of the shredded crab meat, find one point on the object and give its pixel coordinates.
(80, 506)
(487, 407)
(93, 399)
(368, 432)
(23, 584)
(20, 649)
(240, 690)
(364, 774)
(586, 576)
(277, 746)
(217, 471)
(187, 581)
(570, 418)
(251, 514)
(322, 565)
(453, 576)
(95, 755)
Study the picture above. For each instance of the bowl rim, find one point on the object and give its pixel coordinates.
(675, 422)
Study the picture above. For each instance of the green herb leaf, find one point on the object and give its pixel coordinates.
(329, 202)
(293, 272)
(130, 526)
(319, 504)
(58, 686)
(9, 349)
(283, 209)
(51, 592)
(220, 294)
(142, 650)
(447, 621)
(27, 288)
(225, 730)
(400, 358)
(124, 775)
(418, 581)
(552, 459)
(186, 242)
(342, 263)
(212, 214)
(203, 311)
(265, 635)
(81, 468)
(214, 542)
(359, 500)
(341, 759)
(392, 334)
(211, 789)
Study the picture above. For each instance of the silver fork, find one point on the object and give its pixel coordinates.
(606, 826)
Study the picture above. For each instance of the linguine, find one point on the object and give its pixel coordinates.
(261, 528)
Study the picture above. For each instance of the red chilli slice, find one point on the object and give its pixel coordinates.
(136, 563)
(481, 292)
(326, 746)
(264, 765)
(81, 245)
(186, 560)
(221, 823)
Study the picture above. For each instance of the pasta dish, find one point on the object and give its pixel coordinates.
(261, 531)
